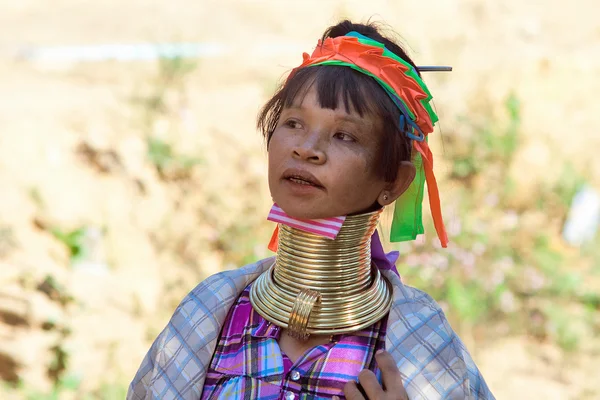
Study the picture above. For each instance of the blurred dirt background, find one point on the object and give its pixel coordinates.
(125, 183)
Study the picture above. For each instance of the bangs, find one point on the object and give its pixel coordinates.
(336, 86)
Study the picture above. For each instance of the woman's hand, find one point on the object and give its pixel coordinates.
(392, 382)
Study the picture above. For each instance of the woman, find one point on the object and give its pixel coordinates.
(328, 317)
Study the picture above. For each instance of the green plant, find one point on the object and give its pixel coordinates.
(55, 291)
(59, 363)
(36, 196)
(170, 77)
(489, 144)
(74, 240)
(111, 391)
(568, 183)
(466, 298)
(163, 101)
(561, 327)
(168, 163)
(69, 385)
(8, 241)
(172, 71)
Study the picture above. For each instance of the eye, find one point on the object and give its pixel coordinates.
(292, 123)
(344, 136)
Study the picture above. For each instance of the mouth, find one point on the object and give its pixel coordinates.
(302, 177)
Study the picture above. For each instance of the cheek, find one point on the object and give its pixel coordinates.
(276, 156)
(362, 163)
(274, 149)
(272, 164)
(360, 176)
(353, 172)
(278, 141)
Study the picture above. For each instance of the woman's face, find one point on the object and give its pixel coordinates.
(321, 161)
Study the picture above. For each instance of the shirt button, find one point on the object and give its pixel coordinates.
(289, 396)
(295, 375)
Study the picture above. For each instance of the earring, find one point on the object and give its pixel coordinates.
(385, 197)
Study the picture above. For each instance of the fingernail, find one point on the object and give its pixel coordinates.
(379, 351)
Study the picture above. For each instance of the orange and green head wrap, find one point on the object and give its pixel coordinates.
(410, 94)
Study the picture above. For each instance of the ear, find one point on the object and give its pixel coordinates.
(393, 190)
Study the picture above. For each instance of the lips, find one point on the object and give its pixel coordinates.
(302, 177)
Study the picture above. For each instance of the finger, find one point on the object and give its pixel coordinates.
(391, 377)
(370, 384)
(362, 391)
(352, 392)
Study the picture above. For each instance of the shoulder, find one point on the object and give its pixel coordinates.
(207, 305)
(417, 310)
(431, 356)
(190, 337)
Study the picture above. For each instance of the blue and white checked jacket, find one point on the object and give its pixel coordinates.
(432, 359)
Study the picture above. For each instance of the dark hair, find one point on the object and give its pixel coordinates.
(358, 92)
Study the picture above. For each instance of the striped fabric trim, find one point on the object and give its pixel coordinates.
(327, 227)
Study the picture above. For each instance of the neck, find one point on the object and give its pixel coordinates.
(308, 261)
(323, 286)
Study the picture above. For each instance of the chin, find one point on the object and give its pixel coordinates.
(300, 211)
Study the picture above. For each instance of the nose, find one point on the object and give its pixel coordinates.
(309, 148)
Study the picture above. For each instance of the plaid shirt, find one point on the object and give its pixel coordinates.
(432, 360)
(248, 363)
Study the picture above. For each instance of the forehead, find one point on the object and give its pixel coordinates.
(309, 101)
(335, 88)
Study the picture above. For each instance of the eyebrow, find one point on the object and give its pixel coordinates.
(349, 118)
(346, 117)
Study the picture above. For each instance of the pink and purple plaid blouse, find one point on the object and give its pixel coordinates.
(248, 363)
